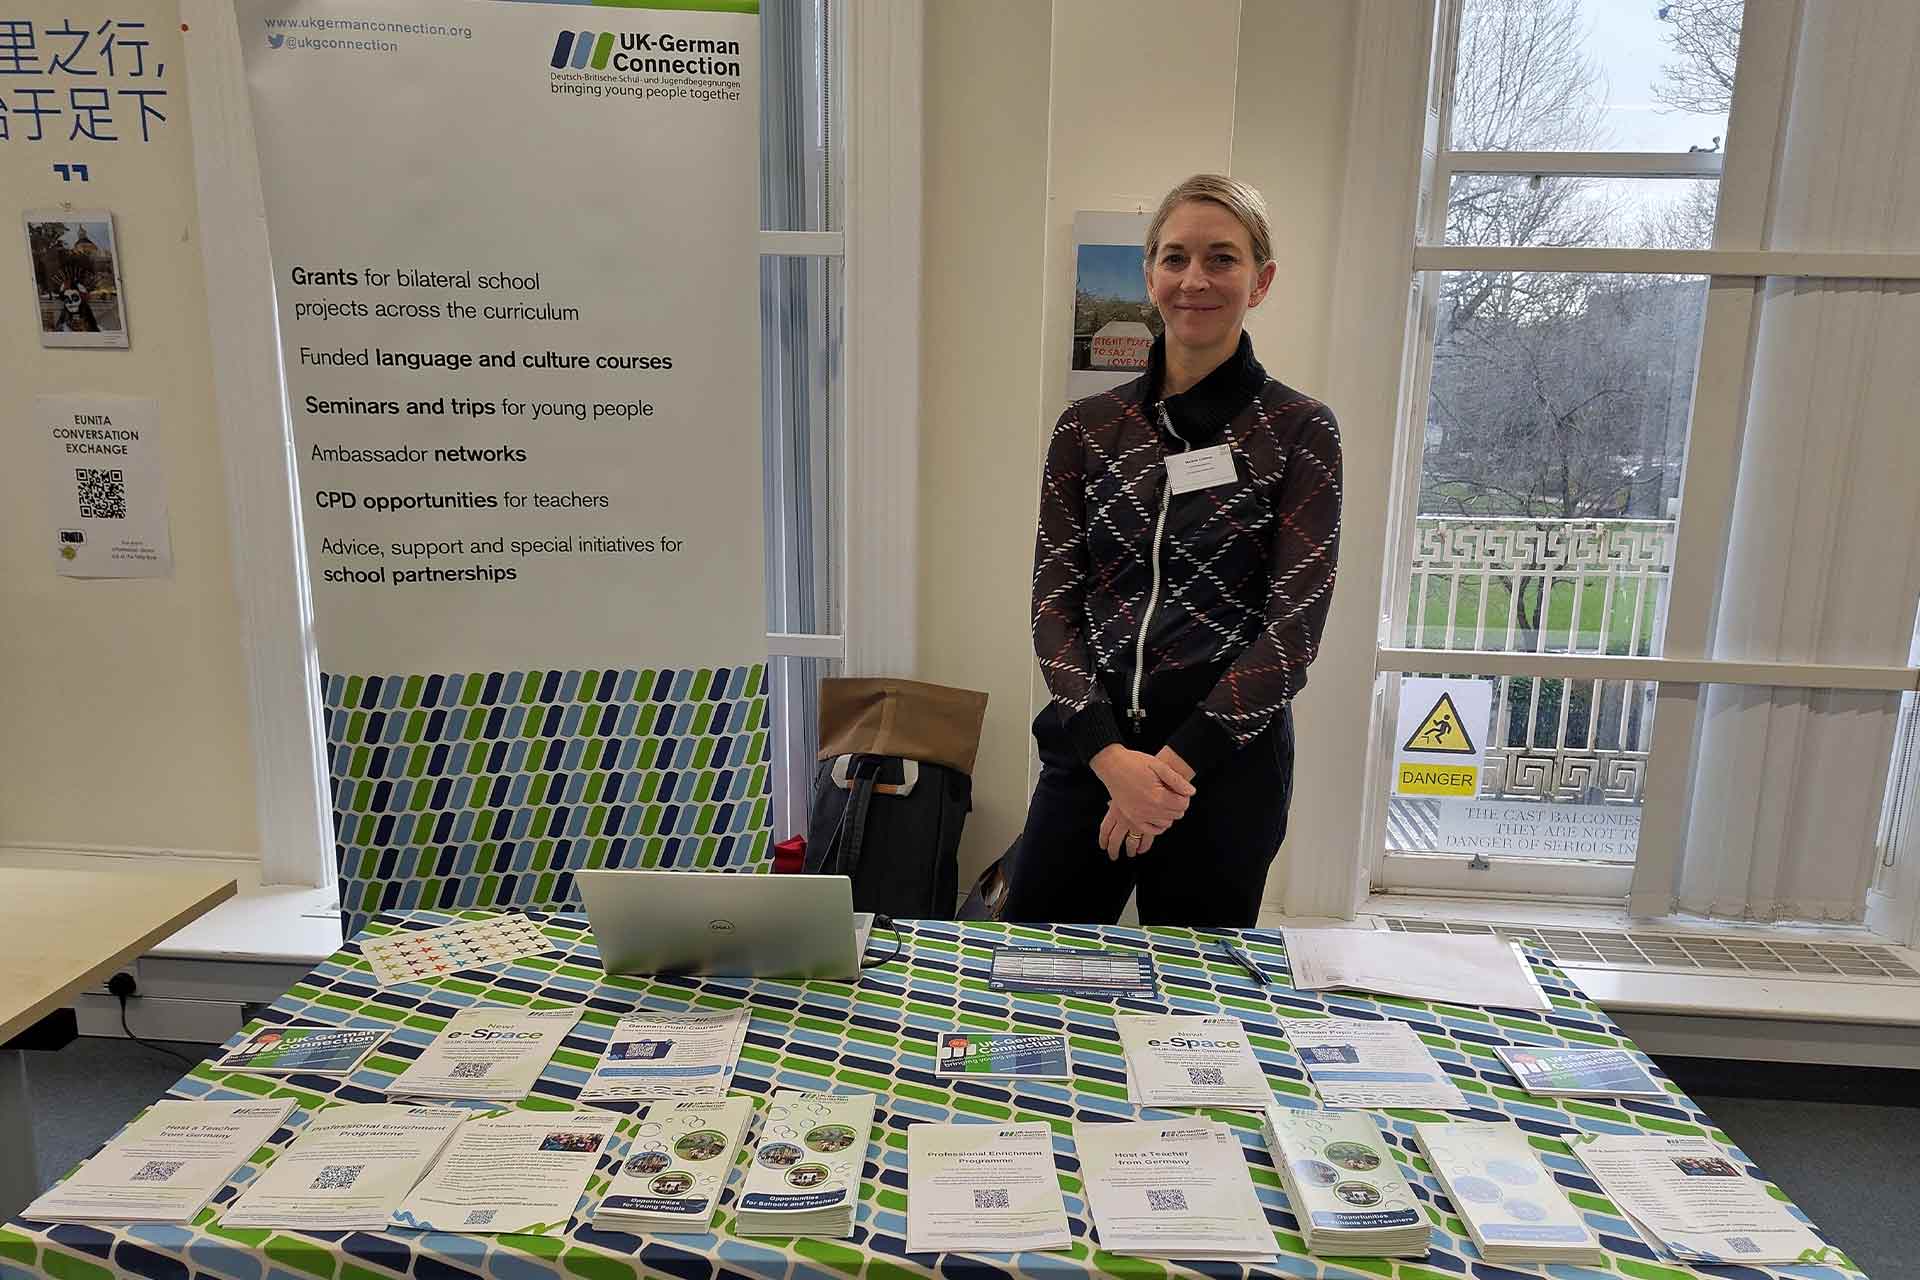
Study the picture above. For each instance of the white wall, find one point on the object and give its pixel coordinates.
(1033, 112)
(123, 718)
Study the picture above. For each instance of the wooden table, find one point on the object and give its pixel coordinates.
(60, 932)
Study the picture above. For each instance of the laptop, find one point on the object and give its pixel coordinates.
(732, 924)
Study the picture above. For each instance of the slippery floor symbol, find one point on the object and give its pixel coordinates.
(1440, 731)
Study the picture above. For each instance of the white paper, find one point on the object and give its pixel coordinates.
(806, 1172)
(165, 1166)
(1699, 1205)
(1419, 966)
(676, 1167)
(669, 1055)
(488, 1054)
(107, 504)
(983, 1188)
(347, 1170)
(1358, 1063)
(1175, 1188)
(517, 1171)
(1200, 469)
(1512, 1207)
(1190, 1062)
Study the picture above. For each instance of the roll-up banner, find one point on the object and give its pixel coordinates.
(516, 271)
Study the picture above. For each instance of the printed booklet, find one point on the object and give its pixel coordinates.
(348, 1169)
(1347, 1193)
(676, 1167)
(317, 1051)
(486, 1054)
(669, 1055)
(1172, 1189)
(511, 1171)
(1513, 1209)
(1195, 1061)
(983, 1188)
(806, 1172)
(959, 1052)
(1354, 1062)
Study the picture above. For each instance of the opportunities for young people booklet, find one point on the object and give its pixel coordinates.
(983, 1188)
(487, 1054)
(1356, 1063)
(164, 1166)
(1196, 1061)
(1172, 1189)
(806, 1172)
(676, 1167)
(318, 1051)
(1579, 1073)
(348, 1169)
(510, 1171)
(1037, 1056)
(1347, 1193)
(669, 1055)
(1513, 1209)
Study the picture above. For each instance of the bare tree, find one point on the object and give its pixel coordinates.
(1706, 36)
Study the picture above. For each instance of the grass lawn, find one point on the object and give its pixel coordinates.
(1428, 617)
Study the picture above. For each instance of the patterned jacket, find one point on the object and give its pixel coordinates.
(1191, 617)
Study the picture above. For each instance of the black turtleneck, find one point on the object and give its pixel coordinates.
(1199, 412)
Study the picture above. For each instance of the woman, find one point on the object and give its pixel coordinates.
(1189, 526)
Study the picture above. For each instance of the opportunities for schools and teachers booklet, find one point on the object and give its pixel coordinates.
(348, 1169)
(510, 1171)
(1693, 1204)
(1357, 1063)
(487, 1054)
(318, 1051)
(983, 1188)
(676, 1166)
(1579, 1073)
(1346, 1191)
(164, 1166)
(1513, 1209)
(1193, 1061)
(806, 1172)
(1172, 1189)
(669, 1055)
(1039, 1056)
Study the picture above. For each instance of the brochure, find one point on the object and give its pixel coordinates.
(487, 1053)
(1420, 966)
(1693, 1204)
(510, 1171)
(1346, 1191)
(1074, 971)
(806, 1172)
(980, 1053)
(1195, 1061)
(347, 1170)
(1172, 1189)
(1579, 1073)
(164, 1166)
(1513, 1209)
(983, 1188)
(317, 1051)
(1358, 1063)
(669, 1055)
(676, 1167)
(416, 955)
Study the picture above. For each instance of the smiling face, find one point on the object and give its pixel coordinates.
(1202, 277)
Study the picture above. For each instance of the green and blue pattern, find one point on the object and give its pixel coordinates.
(879, 1035)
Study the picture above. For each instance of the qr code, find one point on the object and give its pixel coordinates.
(1169, 1201)
(337, 1177)
(103, 493)
(471, 1070)
(157, 1170)
(1205, 1075)
(481, 1217)
(1742, 1244)
(991, 1198)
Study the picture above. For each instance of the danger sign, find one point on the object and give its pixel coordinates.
(1442, 730)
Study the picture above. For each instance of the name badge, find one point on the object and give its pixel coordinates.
(1201, 469)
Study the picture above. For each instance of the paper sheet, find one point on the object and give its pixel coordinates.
(669, 1055)
(347, 1170)
(518, 1171)
(486, 1053)
(1358, 1063)
(1420, 966)
(983, 1188)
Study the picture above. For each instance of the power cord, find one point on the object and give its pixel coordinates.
(122, 985)
(892, 925)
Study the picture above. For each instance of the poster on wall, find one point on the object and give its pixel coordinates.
(1114, 322)
(517, 272)
(107, 495)
(78, 296)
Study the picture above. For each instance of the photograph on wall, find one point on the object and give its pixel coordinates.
(1114, 322)
(77, 292)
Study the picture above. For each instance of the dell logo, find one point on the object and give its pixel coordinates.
(719, 926)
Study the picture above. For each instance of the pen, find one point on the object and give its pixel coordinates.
(1245, 961)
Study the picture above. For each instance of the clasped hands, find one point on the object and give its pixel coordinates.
(1146, 795)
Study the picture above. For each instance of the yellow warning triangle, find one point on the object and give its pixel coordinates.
(1441, 731)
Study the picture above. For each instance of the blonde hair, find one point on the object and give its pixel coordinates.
(1236, 197)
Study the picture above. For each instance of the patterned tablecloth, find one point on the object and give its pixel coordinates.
(878, 1036)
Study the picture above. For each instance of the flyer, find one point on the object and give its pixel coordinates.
(108, 502)
(1191, 1062)
(1172, 1189)
(676, 1166)
(347, 1170)
(511, 1171)
(1579, 1073)
(669, 1055)
(806, 1173)
(1514, 1210)
(959, 1052)
(983, 1188)
(1358, 1063)
(487, 1053)
(1347, 1192)
(320, 1051)
(1074, 971)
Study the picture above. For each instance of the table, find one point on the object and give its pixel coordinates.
(60, 931)
(878, 1036)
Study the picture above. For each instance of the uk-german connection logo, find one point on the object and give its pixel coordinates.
(579, 49)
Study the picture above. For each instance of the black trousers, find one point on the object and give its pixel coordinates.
(1208, 870)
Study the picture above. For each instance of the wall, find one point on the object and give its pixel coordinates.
(1032, 113)
(123, 702)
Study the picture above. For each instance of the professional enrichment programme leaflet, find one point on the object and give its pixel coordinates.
(348, 1169)
(983, 1188)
